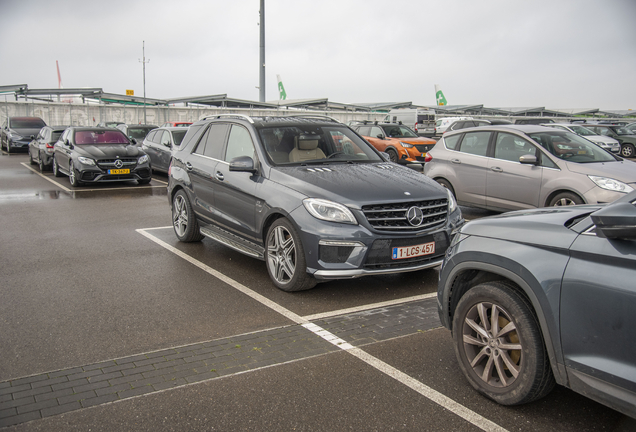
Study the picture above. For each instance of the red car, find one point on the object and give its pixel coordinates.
(176, 124)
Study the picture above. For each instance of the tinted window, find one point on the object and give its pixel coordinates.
(511, 147)
(54, 136)
(100, 137)
(239, 143)
(177, 136)
(451, 141)
(399, 132)
(137, 132)
(27, 123)
(212, 141)
(475, 143)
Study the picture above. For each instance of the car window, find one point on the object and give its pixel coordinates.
(511, 147)
(153, 135)
(399, 132)
(475, 143)
(375, 131)
(192, 135)
(364, 130)
(165, 139)
(571, 147)
(451, 141)
(54, 136)
(27, 123)
(239, 143)
(211, 143)
(100, 137)
(177, 136)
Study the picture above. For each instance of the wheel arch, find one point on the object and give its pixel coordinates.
(558, 191)
(468, 274)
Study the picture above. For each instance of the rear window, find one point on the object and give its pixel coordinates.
(178, 136)
(27, 123)
(138, 133)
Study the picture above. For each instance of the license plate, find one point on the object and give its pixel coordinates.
(413, 251)
(119, 171)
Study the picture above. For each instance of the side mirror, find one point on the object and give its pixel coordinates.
(133, 140)
(242, 164)
(386, 156)
(32, 136)
(380, 136)
(528, 159)
(616, 221)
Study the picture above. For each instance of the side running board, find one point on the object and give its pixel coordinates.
(232, 241)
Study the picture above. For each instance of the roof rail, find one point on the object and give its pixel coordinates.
(316, 116)
(241, 116)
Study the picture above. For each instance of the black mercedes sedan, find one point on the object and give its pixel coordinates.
(90, 155)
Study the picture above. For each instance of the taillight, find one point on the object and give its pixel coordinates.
(428, 157)
(415, 127)
(49, 145)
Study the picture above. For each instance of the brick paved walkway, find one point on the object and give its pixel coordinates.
(48, 394)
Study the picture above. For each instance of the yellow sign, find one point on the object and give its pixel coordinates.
(130, 92)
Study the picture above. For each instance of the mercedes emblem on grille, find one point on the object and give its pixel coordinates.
(119, 164)
(415, 216)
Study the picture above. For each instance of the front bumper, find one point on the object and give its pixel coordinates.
(343, 251)
(95, 174)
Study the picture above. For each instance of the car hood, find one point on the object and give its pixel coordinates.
(416, 141)
(358, 184)
(544, 227)
(624, 171)
(108, 150)
(601, 138)
(25, 132)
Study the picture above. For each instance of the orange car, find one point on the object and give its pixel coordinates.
(176, 124)
(398, 141)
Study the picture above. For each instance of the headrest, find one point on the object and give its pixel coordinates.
(307, 142)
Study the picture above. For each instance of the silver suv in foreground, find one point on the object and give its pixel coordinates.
(525, 166)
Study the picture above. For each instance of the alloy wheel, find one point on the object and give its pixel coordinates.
(180, 216)
(492, 344)
(281, 254)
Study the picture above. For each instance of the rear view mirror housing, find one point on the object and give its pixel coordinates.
(616, 221)
(528, 159)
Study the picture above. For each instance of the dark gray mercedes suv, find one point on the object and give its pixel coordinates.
(309, 196)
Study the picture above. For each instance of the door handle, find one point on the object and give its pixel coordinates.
(188, 166)
(455, 161)
(219, 176)
(496, 169)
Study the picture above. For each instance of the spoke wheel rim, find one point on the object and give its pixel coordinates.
(492, 345)
(564, 202)
(71, 170)
(180, 216)
(281, 255)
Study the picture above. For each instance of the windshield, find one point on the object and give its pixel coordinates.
(27, 123)
(399, 132)
(177, 136)
(583, 131)
(572, 148)
(100, 137)
(309, 143)
(55, 136)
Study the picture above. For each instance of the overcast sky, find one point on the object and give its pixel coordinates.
(499, 53)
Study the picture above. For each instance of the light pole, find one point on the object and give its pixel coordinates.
(144, 62)
(261, 87)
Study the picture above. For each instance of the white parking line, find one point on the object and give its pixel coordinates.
(47, 178)
(433, 395)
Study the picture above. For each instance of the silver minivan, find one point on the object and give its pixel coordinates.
(526, 166)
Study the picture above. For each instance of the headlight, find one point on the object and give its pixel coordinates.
(15, 137)
(143, 159)
(86, 161)
(452, 204)
(611, 184)
(406, 145)
(457, 237)
(329, 211)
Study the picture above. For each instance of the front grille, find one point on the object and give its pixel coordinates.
(392, 217)
(110, 163)
(424, 148)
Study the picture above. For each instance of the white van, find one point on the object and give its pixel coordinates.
(442, 124)
(421, 120)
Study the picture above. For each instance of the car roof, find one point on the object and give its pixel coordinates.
(523, 128)
(268, 121)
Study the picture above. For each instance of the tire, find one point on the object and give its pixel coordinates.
(41, 164)
(184, 222)
(447, 185)
(285, 257)
(565, 199)
(56, 169)
(510, 365)
(627, 150)
(392, 155)
(143, 181)
(8, 147)
(73, 176)
(31, 161)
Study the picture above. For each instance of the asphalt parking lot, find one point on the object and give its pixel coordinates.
(108, 323)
